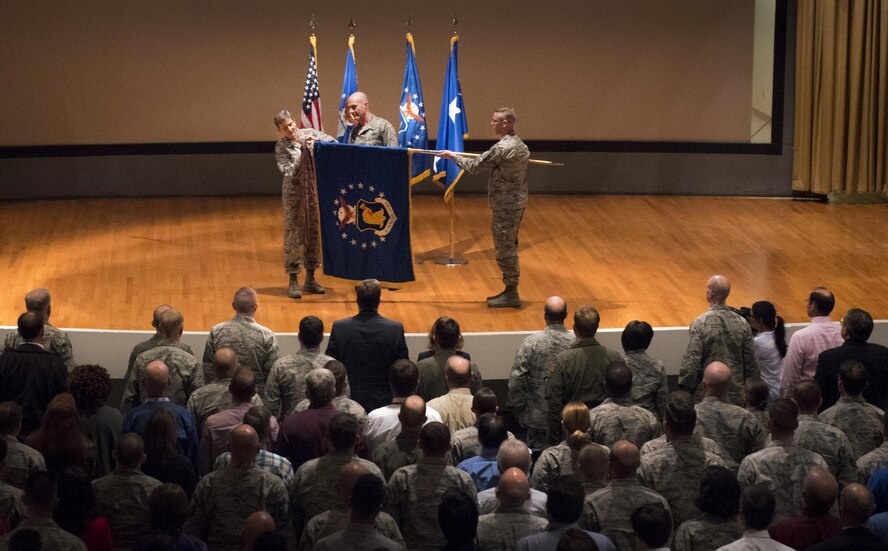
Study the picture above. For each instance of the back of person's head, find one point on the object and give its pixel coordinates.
(757, 506)
(256, 524)
(457, 372)
(259, 417)
(574, 539)
(819, 491)
(853, 376)
(369, 293)
(169, 508)
(858, 325)
(171, 323)
(244, 445)
(719, 493)
(446, 334)
(156, 378)
(320, 387)
(10, 418)
(617, 380)
(434, 439)
(586, 321)
(576, 423)
(484, 401)
(637, 336)
(757, 393)
(555, 310)
(403, 377)
(340, 375)
(514, 453)
(225, 363)
(412, 414)
(130, 451)
(40, 490)
(766, 314)
(652, 524)
(783, 415)
(76, 500)
(593, 462)
(367, 495)
(159, 435)
(38, 300)
(565, 501)
(622, 461)
(491, 430)
(244, 301)
(25, 539)
(343, 432)
(680, 415)
(856, 505)
(458, 517)
(822, 301)
(311, 331)
(807, 396)
(243, 385)
(90, 385)
(30, 325)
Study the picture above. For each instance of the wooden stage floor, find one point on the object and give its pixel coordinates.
(109, 262)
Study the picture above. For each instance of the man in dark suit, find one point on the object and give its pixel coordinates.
(857, 326)
(29, 374)
(368, 344)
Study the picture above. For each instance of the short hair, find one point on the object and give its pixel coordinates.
(680, 413)
(653, 524)
(637, 336)
(90, 385)
(434, 438)
(369, 293)
(757, 504)
(823, 300)
(458, 517)
(491, 430)
(259, 417)
(565, 502)
(10, 417)
(320, 386)
(586, 321)
(858, 325)
(244, 300)
(807, 395)
(30, 325)
(37, 300)
(403, 377)
(343, 431)
(484, 401)
(557, 316)
(243, 384)
(783, 414)
(367, 494)
(340, 374)
(618, 379)
(281, 116)
(854, 377)
(506, 455)
(757, 392)
(169, 507)
(311, 331)
(574, 539)
(719, 493)
(40, 488)
(447, 333)
(129, 450)
(170, 322)
(508, 112)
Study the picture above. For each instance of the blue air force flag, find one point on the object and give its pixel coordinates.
(452, 127)
(349, 87)
(364, 201)
(413, 131)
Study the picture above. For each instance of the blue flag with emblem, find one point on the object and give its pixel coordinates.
(349, 87)
(452, 126)
(413, 131)
(364, 201)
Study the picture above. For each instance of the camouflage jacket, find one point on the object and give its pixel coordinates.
(285, 386)
(527, 382)
(613, 421)
(859, 420)
(649, 387)
(736, 430)
(507, 161)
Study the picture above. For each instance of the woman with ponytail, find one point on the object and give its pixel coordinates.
(561, 460)
(770, 344)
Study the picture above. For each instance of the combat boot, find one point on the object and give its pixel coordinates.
(508, 299)
(494, 297)
(311, 284)
(293, 290)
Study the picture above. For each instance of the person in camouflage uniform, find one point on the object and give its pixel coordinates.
(224, 499)
(649, 387)
(736, 430)
(501, 530)
(12, 509)
(40, 495)
(506, 195)
(781, 465)
(561, 460)
(214, 397)
(21, 460)
(360, 533)
(719, 500)
(368, 128)
(708, 444)
(404, 450)
(256, 345)
(719, 334)
(186, 372)
(527, 382)
(876, 459)
(152, 342)
(54, 340)
(829, 442)
(341, 401)
(861, 421)
(592, 467)
(617, 418)
(301, 223)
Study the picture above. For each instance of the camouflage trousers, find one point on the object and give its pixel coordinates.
(302, 243)
(505, 240)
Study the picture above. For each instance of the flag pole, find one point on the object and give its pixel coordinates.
(452, 260)
(465, 154)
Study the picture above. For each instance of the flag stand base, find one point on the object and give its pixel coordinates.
(451, 261)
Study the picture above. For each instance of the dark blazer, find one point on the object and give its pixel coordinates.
(31, 376)
(873, 356)
(368, 344)
(855, 538)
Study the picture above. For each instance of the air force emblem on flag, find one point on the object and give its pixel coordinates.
(376, 216)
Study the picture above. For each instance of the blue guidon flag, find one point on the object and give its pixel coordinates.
(364, 201)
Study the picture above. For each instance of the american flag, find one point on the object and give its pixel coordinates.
(311, 98)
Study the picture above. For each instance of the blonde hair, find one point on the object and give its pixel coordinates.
(575, 418)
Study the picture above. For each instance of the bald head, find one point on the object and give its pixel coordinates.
(156, 379)
(413, 414)
(717, 379)
(225, 363)
(819, 490)
(514, 453)
(592, 463)
(357, 109)
(513, 488)
(856, 505)
(245, 301)
(255, 525)
(348, 475)
(155, 317)
(555, 310)
(38, 300)
(457, 372)
(717, 289)
(243, 443)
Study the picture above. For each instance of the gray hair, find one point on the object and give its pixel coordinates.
(281, 116)
(320, 386)
(514, 453)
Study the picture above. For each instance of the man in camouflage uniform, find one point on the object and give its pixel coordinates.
(736, 430)
(21, 460)
(513, 454)
(368, 128)
(610, 509)
(719, 499)
(186, 372)
(861, 421)
(224, 499)
(414, 492)
(501, 529)
(404, 449)
(876, 459)
(152, 342)
(465, 443)
(256, 345)
(122, 496)
(649, 388)
(40, 495)
(507, 197)
(341, 401)
(719, 334)
(814, 435)
(55, 340)
(301, 224)
(286, 381)
(527, 382)
(214, 397)
(12, 509)
(360, 533)
(592, 467)
(782, 465)
(617, 418)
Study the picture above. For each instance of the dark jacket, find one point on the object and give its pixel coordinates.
(873, 356)
(31, 376)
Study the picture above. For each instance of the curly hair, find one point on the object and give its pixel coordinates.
(90, 385)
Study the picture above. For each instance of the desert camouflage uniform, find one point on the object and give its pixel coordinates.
(556, 461)
(859, 420)
(211, 399)
(413, 495)
(122, 498)
(736, 430)
(706, 533)
(465, 444)
(829, 443)
(501, 530)
(314, 486)
(52, 536)
(649, 387)
(343, 404)
(527, 382)
(782, 466)
(255, 345)
(719, 334)
(506, 196)
(336, 519)
(377, 131)
(54, 341)
(609, 510)
(285, 386)
(12, 509)
(674, 471)
(186, 375)
(391, 455)
(144, 346)
(21, 461)
(872, 462)
(224, 499)
(612, 421)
